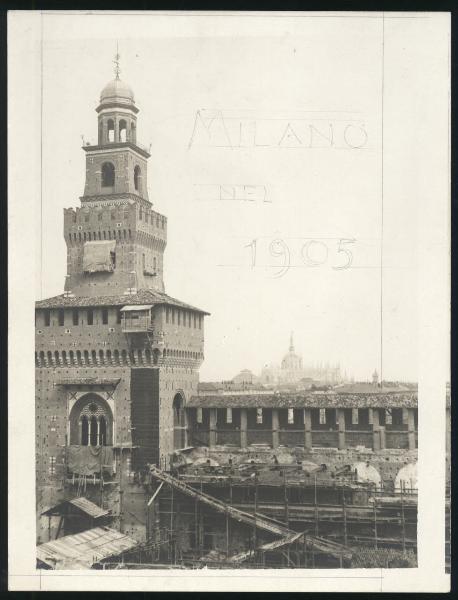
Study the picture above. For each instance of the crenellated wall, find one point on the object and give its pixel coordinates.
(140, 237)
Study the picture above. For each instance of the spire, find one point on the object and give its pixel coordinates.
(291, 343)
(117, 68)
(375, 377)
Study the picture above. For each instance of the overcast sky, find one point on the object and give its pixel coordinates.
(291, 80)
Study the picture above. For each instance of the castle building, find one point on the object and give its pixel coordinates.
(116, 357)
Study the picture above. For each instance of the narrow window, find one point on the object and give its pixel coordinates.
(388, 416)
(199, 415)
(137, 176)
(322, 416)
(370, 416)
(119, 317)
(103, 432)
(90, 316)
(259, 416)
(108, 174)
(132, 133)
(228, 415)
(122, 131)
(290, 416)
(140, 213)
(47, 318)
(100, 215)
(61, 316)
(93, 440)
(84, 431)
(110, 127)
(105, 316)
(354, 416)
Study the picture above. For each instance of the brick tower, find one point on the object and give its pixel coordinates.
(116, 357)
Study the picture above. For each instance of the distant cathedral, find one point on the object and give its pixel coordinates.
(292, 371)
(116, 358)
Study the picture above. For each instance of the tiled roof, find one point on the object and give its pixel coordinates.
(83, 504)
(306, 400)
(142, 297)
(368, 388)
(84, 549)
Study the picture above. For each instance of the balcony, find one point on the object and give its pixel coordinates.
(136, 319)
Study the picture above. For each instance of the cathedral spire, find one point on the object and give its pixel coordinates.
(291, 343)
(117, 69)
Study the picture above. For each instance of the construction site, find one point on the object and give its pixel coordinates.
(197, 512)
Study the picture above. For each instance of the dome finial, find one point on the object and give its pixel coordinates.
(117, 68)
(291, 343)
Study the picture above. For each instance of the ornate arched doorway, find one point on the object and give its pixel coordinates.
(179, 423)
(91, 422)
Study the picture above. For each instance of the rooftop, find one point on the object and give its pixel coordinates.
(82, 550)
(380, 399)
(82, 504)
(142, 297)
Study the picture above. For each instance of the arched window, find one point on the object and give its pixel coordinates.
(116, 357)
(148, 356)
(84, 431)
(137, 175)
(93, 440)
(100, 132)
(111, 130)
(94, 357)
(122, 131)
(91, 422)
(133, 133)
(78, 356)
(124, 356)
(108, 174)
(71, 356)
(56, 357)
(64, 357)
(101, 355)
